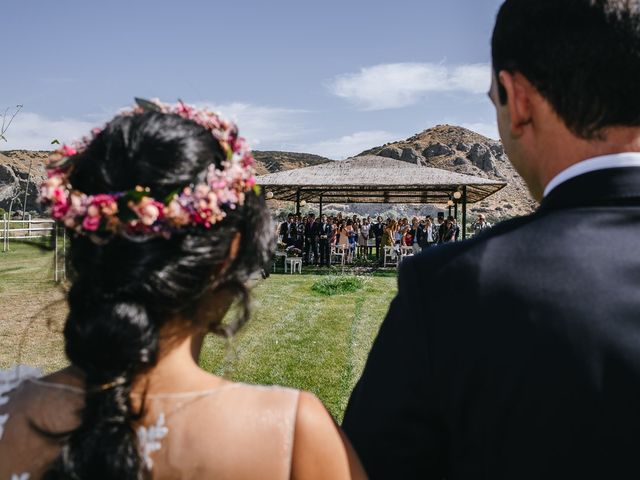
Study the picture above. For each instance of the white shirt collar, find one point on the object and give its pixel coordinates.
(616, 160)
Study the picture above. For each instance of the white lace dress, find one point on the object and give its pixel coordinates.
(226, 432)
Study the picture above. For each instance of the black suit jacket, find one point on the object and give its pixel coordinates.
(286, 230)
(324, 230)
(514, 355)
(377, 229)
(311, 229)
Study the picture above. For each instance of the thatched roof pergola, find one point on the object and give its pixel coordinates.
(374, 179)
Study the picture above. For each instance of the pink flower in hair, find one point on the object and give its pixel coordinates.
(78, 205)
(68, 151)
(106, 203)
(176, 213)
(91, 223)
(61, 206)
(148, 210)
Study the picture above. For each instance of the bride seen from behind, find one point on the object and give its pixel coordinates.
(169, 228)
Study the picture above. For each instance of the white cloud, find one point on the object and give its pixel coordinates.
(262, 124)
(259, 124)
(487, 129)
(31, 131)
(348, 145)
(396, 85)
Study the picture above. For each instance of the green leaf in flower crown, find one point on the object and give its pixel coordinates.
(124, 212)
(146, 105)
(169, 198)
(55, 141)
(257, 189)
(136, 195)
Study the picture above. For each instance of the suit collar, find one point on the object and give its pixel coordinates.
(611, 186)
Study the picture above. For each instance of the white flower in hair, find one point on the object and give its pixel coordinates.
(150, 439)
(22, 476)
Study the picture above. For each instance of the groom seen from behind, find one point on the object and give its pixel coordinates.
(535, 371)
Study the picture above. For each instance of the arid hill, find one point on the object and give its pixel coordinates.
(271, 162)
(460, 150)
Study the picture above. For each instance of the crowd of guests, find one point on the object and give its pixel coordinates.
(315, 237)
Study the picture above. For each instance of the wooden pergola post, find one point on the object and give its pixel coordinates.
(298, 202)
(320, 213)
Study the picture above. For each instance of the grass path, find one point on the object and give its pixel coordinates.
(296, 337)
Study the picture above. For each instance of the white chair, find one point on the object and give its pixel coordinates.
(276, 259)
(404, 253)
(293, 262)
(390, 256)
(339, 253)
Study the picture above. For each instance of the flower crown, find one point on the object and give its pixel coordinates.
(135, 212)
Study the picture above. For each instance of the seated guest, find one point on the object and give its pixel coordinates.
(526, 365)
(406, 239)
(166, 230)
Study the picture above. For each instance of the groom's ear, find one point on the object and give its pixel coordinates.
(518, 92)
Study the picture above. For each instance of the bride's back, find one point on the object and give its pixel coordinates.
(234, 430)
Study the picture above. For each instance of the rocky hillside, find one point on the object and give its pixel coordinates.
(14, 170)
(271, 162)
(460, 150)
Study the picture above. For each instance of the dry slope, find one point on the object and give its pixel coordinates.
(460, 150)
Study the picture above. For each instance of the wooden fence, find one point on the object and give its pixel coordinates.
(35, 229)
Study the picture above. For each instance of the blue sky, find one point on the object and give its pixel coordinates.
(331, 77)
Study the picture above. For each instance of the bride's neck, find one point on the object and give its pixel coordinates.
(177, 367)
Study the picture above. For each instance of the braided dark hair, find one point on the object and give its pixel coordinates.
(124, 291)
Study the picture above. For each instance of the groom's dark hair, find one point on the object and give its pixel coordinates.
(583, 56)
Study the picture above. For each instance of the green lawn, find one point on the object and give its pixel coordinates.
(296, 337)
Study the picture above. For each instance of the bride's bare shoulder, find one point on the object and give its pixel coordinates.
(319, 441)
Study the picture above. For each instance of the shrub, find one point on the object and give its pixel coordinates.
(338, 285)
